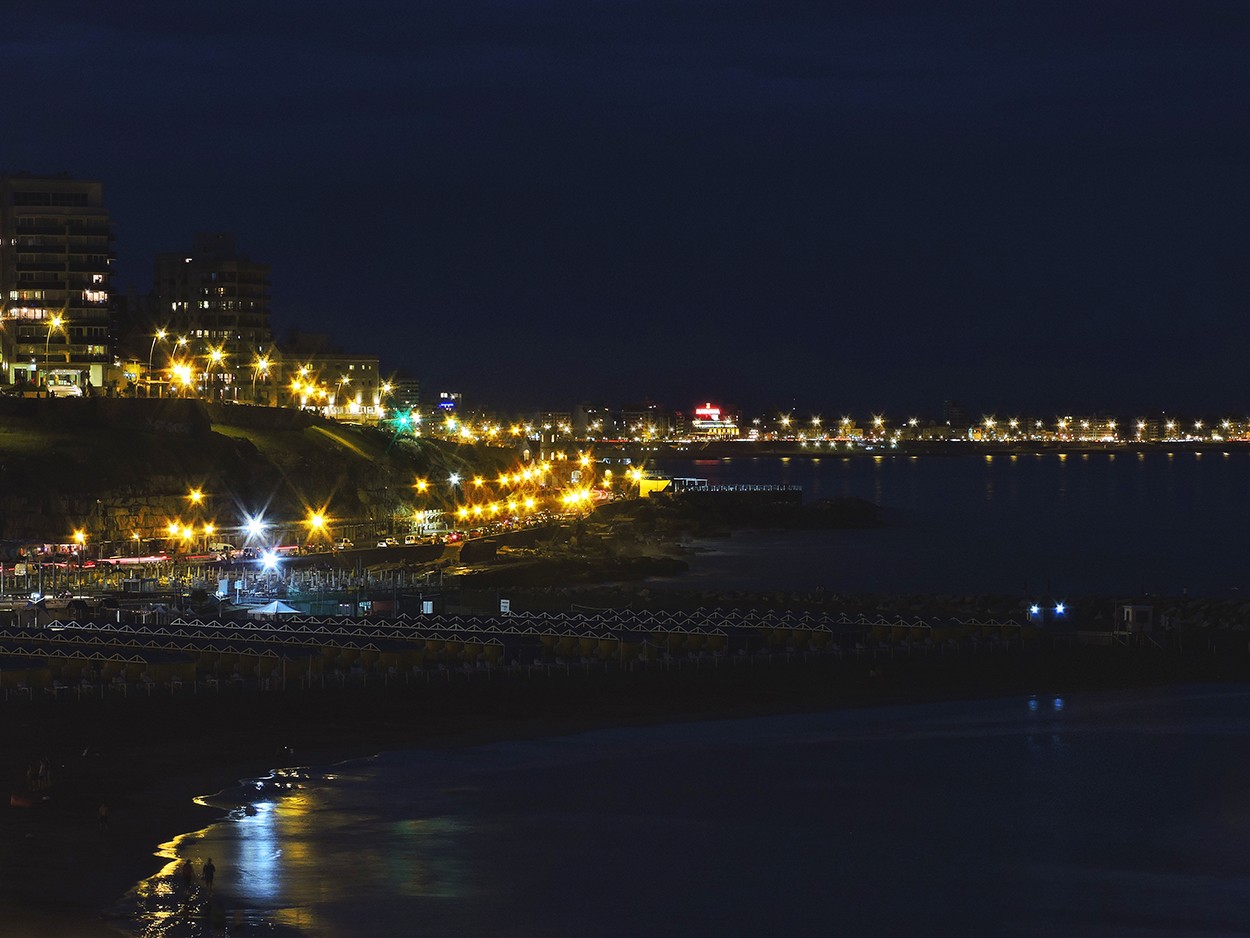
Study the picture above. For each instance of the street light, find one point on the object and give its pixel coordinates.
(53, 323)
(316, 522)
(159, 337)
(254, 527)
(215, 357)
(260, 366)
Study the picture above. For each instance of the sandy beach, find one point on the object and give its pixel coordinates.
(146, 759)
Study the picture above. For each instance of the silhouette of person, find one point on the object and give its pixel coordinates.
(208, 873)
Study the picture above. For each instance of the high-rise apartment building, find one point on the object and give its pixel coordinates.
(217, 300)
(55, 263)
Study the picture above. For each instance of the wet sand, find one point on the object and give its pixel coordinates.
(61, 870)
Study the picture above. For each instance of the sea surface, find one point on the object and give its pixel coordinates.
(1095, 814)
(1043, 526)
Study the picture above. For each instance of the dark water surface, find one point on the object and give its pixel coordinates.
(1099, 523)
(1113, 814)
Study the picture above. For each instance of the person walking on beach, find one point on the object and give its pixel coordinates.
(208, 873)
(188, 876)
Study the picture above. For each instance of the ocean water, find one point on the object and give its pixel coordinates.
(1109, 814)
(1037, 525)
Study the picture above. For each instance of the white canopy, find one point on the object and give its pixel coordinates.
(270, 609)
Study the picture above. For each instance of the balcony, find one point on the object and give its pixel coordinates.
(42, 285)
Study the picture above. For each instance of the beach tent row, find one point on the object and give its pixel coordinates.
(530, 625)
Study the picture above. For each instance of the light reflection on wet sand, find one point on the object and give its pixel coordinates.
(1000, 814)
(284, 850)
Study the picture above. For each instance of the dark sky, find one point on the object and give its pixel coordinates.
(843, 206)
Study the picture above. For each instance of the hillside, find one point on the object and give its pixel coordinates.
(117, 467)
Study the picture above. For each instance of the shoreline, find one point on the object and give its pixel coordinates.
(63, 873)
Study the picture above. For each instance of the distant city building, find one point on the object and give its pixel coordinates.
(405, 393)
(340, 385)
(648, 420)
(954, 415)
(218, 301)
(55, 273)
(595, 422)
(710, 421)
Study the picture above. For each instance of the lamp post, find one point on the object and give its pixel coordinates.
(54, 323)
(215, 357)
(158, 337)
(316, 522)
(259, 367)
(80, 538)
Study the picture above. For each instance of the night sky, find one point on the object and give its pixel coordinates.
(835, 206)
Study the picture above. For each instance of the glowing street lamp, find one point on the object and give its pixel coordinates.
(55, 322)
(180, 372)
(316, 522)
(259, 367)
(195, 496)
(254, 527)
(159, 337)
(215, 357)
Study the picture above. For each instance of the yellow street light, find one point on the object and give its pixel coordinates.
(259, 367)
(54, 323)
(158, 337)
(195, 496)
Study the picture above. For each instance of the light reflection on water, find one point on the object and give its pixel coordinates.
(291, 844)
(1002, 814)
(1093, 524)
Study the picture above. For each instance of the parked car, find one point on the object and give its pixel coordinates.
(410, 539)
(343, 544)
(387, 542)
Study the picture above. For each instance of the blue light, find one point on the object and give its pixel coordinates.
(1059, 608)
(1034, 609)
(1033, 704)
(1058, 704)
(269, 560)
